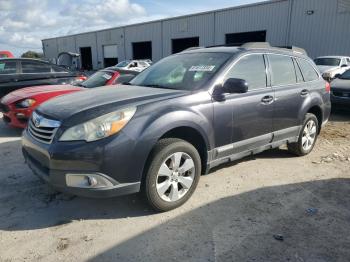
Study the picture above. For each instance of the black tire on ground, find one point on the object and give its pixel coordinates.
(297, 148)
(164, 149)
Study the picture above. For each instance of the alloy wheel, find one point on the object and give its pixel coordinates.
(309, 135)
(175, 177)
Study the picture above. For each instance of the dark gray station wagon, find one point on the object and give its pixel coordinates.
(173, 122)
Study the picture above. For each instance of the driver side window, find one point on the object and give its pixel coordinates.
(252, 69)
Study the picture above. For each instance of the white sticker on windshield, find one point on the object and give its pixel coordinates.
(202, 68)
(107, 76)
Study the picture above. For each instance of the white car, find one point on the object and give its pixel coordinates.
(330, 66)
(134, 65)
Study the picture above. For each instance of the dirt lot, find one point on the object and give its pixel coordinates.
(271, 207)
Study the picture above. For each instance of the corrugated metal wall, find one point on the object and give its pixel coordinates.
(272, 17)
(50, 49)
(322, 27)
(201, 26)
(88, 40)
(142, 33)
(110, 37)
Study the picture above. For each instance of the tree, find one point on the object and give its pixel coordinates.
(32, 54)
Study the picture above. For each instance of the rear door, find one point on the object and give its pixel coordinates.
(8, 76)
(290, 92)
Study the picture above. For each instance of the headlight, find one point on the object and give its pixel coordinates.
(27, 103)
(101, 127)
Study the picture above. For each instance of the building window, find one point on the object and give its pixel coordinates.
(238, 39)
(142, 50)
(181, 44)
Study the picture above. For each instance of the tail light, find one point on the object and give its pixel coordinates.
(81, 78)
(328, 87)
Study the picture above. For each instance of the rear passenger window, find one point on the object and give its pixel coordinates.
(7, 67)
(252, 69)
(29, 67)
(282, 70)
(308, 71)
(298, 72)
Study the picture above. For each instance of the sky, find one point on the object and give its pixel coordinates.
(23, 23)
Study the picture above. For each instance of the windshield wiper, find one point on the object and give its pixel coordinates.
(158, 86)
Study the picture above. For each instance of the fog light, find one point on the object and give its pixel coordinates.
(94, 180)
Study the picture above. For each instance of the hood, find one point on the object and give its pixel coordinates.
(103, 100)
(324, 69)
(343, 84)
(29, 92)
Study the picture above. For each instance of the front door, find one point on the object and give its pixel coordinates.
(250, 114)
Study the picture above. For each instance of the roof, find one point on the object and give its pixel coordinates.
(335, 56)
(26, 59)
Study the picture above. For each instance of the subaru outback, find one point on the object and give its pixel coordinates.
(176, 120)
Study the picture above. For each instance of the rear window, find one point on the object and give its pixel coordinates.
(327, 61)
(30, 67)
(100, 78)
(7, 67)
(308, 71)
(282, 69)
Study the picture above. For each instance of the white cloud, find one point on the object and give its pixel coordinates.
(26, 22)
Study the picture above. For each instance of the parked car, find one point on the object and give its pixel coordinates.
(135, 65)
(330, 66)
(17, 106)
(16, 73)
(6, 54)
(340, 90)
(174, 121)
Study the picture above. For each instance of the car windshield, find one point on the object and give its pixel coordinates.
(187, 71)
(123, 64)
(345, 75)
(100, 78)
(327, 61)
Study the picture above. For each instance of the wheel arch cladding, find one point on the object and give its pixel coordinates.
(185, 125)
(317, 111)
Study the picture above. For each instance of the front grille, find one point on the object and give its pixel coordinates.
(4, 108)
(42, 129)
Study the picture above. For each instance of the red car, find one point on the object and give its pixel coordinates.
(18, 106)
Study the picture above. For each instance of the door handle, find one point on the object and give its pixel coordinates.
(267, 100)
(304, 92)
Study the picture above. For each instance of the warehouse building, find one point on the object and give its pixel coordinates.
(322, 27)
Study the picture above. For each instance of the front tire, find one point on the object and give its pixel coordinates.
(173, 174)
(307, 136)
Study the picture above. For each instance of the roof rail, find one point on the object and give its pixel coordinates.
(256, 45)
(192, 48)
(295, 49)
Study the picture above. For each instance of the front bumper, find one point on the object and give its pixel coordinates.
(52, 163)
(16, 117)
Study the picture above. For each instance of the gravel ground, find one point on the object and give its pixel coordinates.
(271, 207)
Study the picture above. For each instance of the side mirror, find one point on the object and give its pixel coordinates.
(344, 65)
(337, 75)
(235, 85)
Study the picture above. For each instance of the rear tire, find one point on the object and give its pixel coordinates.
(307, 136)
(173, 174)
